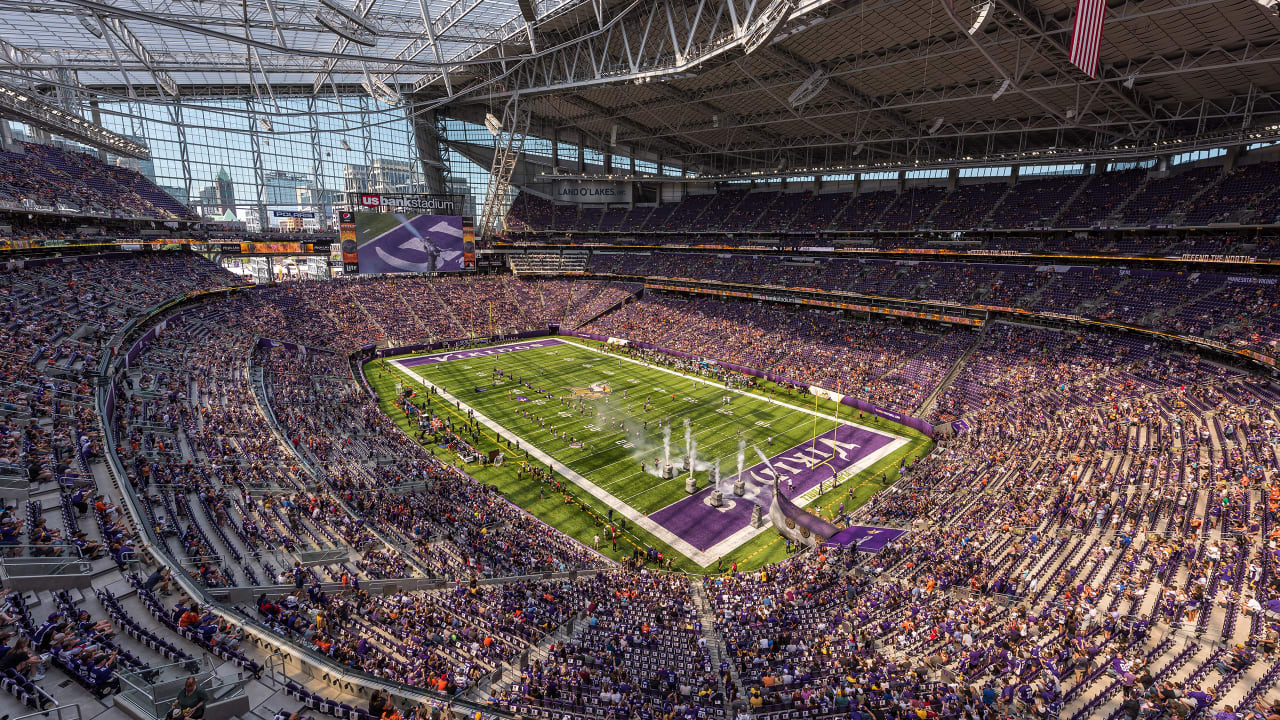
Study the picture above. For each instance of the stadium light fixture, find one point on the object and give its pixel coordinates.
(980, 15)
(265, 124)
(90, 23)
(494, 125)
(1129, 81)
(344, 144)
(340, 21)
(767, 24)
(1000, 91)
(381, 91)
(937, 123)
(809, 89)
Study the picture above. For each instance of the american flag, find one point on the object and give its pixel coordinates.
(1087, 35)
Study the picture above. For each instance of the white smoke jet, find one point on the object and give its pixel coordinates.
(693, 455)
(666, 444)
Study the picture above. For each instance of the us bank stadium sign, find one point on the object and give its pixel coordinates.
(431, 204)
(591, 191)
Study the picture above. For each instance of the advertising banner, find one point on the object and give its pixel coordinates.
(271, 248)
(347, 239)
(389, 202)
(591, 191)
(469, 245)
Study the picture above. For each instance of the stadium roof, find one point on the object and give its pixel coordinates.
(704, 83)
(910, 81)
(230, 43)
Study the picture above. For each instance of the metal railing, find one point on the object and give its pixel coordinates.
(151, 693)
(56, 712)
(27, 564)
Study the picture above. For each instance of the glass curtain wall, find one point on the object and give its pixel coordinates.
(226, 161)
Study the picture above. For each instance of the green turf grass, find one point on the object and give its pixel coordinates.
(565, 370)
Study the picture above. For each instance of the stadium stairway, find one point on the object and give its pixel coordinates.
(616, 306)
(1116, 215)
(1206, 190)
(539, 651)
(926, 406)
(995, 207)
(261, 398)
(446, 310)
(1065, 206)
(715, 641)
(74, 699)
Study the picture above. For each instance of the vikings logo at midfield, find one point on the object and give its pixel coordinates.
(595, 391)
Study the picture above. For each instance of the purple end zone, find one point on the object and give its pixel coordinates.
(703, 526)
(870, 539)
(479, 352)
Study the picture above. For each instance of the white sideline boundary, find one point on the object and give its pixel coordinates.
(701, 557)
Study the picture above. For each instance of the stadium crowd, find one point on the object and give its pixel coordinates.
(1099, 539)
(1195, 197)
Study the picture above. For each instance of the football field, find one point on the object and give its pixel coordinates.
(610, 425)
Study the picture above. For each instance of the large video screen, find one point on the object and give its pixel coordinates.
(408, 243)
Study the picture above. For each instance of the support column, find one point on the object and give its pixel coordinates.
(1232, 158)
(96, 115)
(430, 152)
(318, 195)
(259, 175)
(175, 115)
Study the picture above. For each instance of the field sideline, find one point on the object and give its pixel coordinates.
(608, 415)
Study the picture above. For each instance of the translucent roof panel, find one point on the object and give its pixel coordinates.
(204, 42)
